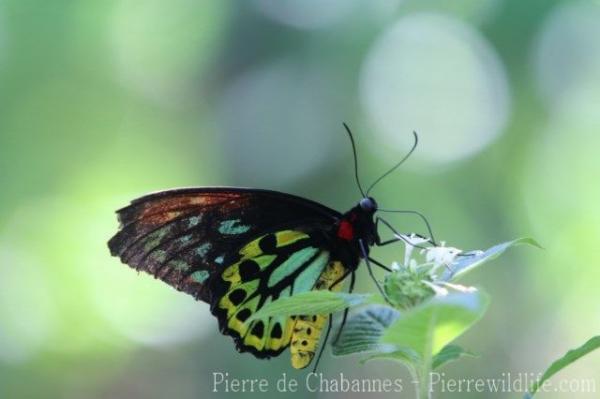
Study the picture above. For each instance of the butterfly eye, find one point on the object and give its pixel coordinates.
(368, 204)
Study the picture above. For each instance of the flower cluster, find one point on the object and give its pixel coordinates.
(415, 281)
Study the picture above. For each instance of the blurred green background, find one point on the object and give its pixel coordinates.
(101, 102)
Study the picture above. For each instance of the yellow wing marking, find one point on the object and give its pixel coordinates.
(307, 329)
(287, 237)
(274, 333)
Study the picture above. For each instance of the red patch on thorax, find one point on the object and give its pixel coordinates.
(345, 230)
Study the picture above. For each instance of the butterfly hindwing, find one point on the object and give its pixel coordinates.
(272, 266)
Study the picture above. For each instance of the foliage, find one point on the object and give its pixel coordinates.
(570, 357)
(422, 313)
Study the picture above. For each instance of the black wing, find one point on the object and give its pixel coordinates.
(183, 236)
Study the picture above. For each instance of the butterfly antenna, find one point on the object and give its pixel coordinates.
(395, 166)
(355, 159)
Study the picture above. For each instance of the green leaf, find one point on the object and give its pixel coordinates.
(405, 356)
(363, 330)
(429, 327)
(469, 261)
(311, 302)
(570, 357)
(449, 354)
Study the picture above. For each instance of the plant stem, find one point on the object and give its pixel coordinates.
(424, 372)
(422, 379)
(424, 382)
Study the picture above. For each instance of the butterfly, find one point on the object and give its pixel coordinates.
(239, 249)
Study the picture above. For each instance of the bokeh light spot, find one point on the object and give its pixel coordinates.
(439, 77)
(474, 11)
(280, 123)
(306, 14)
(567, 55)
(27, 309)
(160, 47)
(2, 38)
(561, 195)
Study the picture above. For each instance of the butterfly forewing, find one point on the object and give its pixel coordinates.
(183, 236)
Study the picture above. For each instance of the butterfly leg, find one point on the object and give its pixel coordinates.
(345, 316)
(363, 249)
(377, 263)
(324, 342)
(399, 237)
(419, 214)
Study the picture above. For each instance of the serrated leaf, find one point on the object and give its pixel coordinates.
(466, 263)
(449, 354)
(309, 303)
(570, 357)
(429, 327)
(363, 330)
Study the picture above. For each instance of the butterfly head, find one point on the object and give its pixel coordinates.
(368, 204)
